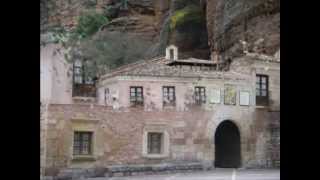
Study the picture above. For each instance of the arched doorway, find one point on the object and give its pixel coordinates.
(227, 145)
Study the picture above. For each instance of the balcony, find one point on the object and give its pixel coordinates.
(84, 90)
(262, 101)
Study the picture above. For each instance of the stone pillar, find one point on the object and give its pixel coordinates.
(43, 132)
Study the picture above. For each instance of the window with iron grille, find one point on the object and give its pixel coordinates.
(83, 84)
(78, 73)
(262, 94)
(154, 143)
(169, 97)
(200, 95)
(136, 95)
(82, 143)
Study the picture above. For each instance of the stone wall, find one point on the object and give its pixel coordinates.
(43, 142)
(119, 135)
(119, 129)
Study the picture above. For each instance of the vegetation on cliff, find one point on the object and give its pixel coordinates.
(89, 23)
(191, 14)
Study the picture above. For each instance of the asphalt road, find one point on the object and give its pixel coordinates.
(217, 174)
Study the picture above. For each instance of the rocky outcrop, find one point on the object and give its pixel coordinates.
(188, 29)
(199, 28)
(255, 21)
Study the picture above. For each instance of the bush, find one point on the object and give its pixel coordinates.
(190, 14)
(109, 50)
(89, 23)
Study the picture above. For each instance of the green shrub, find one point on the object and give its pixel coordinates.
(109, 50)
(89, 23)
(190, 14)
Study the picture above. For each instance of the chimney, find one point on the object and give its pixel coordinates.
(172, 53)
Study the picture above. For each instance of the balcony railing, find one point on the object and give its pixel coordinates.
(84, 90)
(262, 100)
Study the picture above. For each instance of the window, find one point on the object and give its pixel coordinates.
(77, 73)
(82, 143)
(262, 90)
(200, 95)
(83, 83)
(136, 95)
(169, 97)
(154, 143)
(106, 95)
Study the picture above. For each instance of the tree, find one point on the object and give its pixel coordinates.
(109, 50)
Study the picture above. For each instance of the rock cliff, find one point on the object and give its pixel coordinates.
(207, 29)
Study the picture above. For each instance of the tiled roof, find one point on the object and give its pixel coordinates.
(159, 67)
(162, 67)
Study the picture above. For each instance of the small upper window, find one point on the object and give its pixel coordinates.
(136, 95)
(200, 95)
(82, 143)
(262, 93)
(169, 97)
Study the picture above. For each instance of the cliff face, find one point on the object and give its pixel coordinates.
(255, 21)
(199, 28)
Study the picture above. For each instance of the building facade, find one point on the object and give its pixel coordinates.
(164, 111)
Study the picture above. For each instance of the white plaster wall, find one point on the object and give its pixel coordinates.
(184, 89)
(45, 74)
(56, 75)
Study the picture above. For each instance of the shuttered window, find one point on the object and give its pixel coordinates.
(154, 143)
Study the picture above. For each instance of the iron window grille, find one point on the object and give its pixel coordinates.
(83, 85)
(136, 96)
(169, 97)
(155, 143)
(82, 144)
(262, 90)
(200, 95)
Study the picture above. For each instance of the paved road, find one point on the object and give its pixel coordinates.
(217, 174)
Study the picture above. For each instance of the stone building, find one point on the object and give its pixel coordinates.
(160, 113)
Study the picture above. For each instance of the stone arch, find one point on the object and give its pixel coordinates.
(227, 139)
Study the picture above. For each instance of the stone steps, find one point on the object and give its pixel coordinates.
(127, 170)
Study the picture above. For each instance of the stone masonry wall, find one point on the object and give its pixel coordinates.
(118, 135)
(118, 129)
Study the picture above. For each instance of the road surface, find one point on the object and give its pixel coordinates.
(216, 174)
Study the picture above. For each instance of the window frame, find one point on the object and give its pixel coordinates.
(81, 148)
(262, 100)
(135, 102)
(150, 143)
(197, 93)
(168, 97)
(165, 141)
